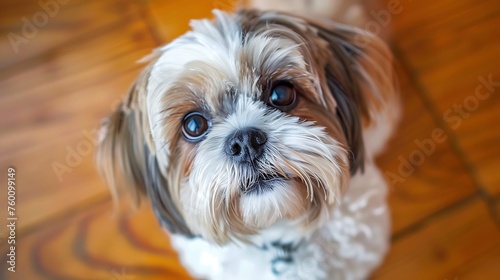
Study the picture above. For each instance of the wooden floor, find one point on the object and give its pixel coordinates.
(65, 67)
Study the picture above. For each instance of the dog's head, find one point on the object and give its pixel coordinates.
(248, 119)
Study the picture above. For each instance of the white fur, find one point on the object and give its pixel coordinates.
(349, 245)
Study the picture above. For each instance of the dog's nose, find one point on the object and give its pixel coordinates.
(246, 145)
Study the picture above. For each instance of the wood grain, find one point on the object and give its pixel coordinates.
(422, 182)
(97, 244)
(445, 244)
(453, 48)
(68, 93)
(70, 22)
(484, 267)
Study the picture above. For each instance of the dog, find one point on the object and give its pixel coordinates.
(253, 137)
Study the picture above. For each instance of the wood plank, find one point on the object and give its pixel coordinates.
(67, 97)
(70, 70)
(420, 186)
(484, 267)
(443, 246)
(438, 27)
(97, 244)
(454, 50)
(54, 160)
(66, 21)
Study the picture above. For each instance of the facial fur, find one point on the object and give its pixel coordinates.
(225, 70)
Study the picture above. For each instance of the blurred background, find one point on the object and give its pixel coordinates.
(64, 65)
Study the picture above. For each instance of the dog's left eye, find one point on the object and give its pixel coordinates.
(283, 97)
(194, 126)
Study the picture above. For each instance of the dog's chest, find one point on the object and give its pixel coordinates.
(278, 259)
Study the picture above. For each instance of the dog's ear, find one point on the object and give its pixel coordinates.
(357, 72)
(354, 68)
(126, 159)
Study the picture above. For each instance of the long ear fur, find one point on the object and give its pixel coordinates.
(126, 159)
(340, 76)
(360, 77)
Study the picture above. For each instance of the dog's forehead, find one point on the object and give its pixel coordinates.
(222, 57)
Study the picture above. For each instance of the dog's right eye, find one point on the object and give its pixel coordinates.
(283, 97)
(194, 126)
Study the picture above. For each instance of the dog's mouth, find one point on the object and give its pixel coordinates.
(264, 183)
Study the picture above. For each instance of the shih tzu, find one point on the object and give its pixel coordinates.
(253, 136)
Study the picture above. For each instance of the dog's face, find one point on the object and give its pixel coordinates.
(246, 120)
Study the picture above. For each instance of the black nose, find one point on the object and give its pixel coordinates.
(246, 145)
